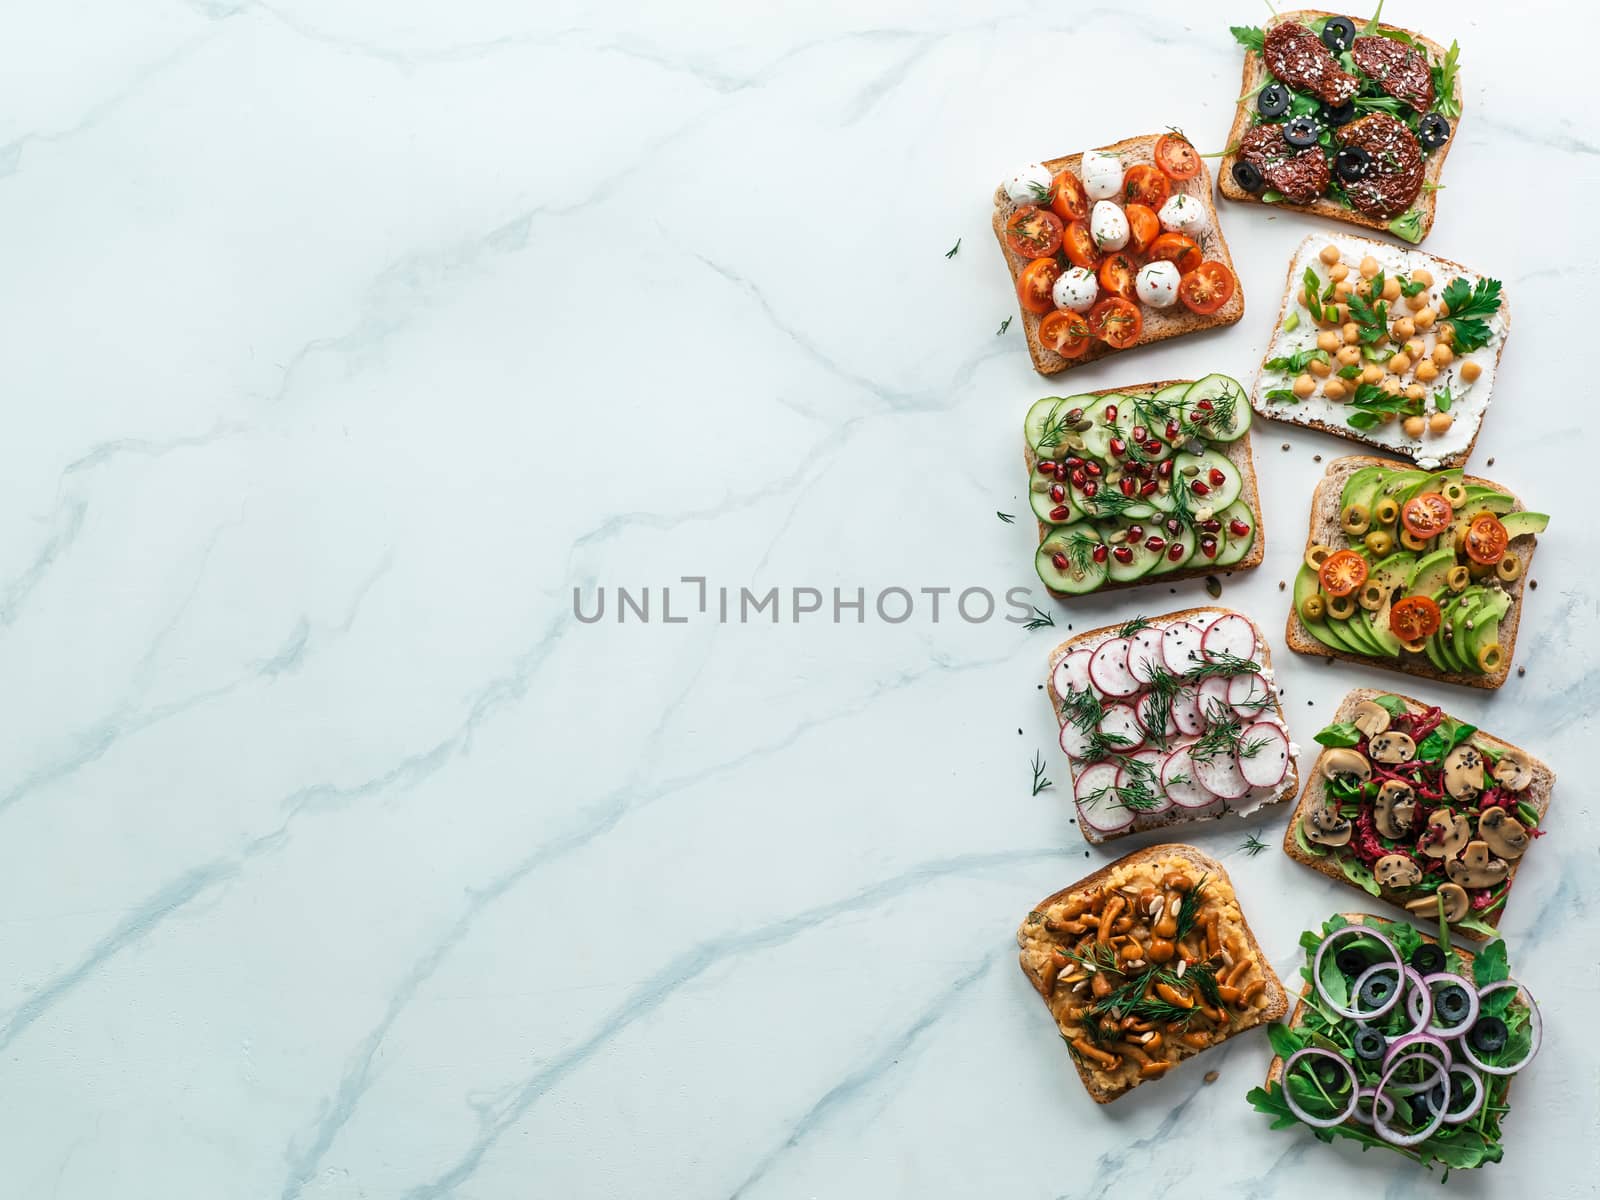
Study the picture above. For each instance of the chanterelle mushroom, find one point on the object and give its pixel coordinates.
(1506, 835)
(1447, 832)
(1476, 868)
(1371, 718)
(1392, 747)
(1344, 762)
(1463, 772)
(1396, 806)
(1513, 772)
(1456, 903)
(1324, 824)
(1396, 871)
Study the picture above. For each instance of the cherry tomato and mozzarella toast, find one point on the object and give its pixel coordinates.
(1346, 118)
(1380, 344)
(1115, 248)
(1170, 719)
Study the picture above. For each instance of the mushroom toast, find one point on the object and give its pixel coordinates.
(1348, 120)
(1419, 809)
(1143, 484)
(1414, 572)
(1401, 1041)
(1146, 963)
(1170, 719)
(1387, 346)
(1115, 248)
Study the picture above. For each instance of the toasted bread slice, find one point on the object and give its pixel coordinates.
(1473, 403)
(1173, 816)
(1537, 794)
(1159, 324)
(1255, 69)
(1324, 528)
(1038, 945)
(1237, 452)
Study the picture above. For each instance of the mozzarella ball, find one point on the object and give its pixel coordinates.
(1076, 289)
(1102, 174)
(1183, 214)
(1030, 185)
(1108, 225)
(1157, 284)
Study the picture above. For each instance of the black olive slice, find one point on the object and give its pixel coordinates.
(1428, 959)
(1339, 34)
(1370, 1044)
(1377, 990)
(1273, 100)
(1488, 1035)
(1337, 114)
(1433, 131)
(1352, 163)
(1452, 1002)
(1301, 131)
(1247, 177)
(1351, 961)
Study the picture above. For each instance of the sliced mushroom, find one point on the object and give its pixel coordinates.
(1392, 747)
(1477, 868)
(1396, 871)
(1447, 832)
(1343, 763)
(1463, 772)
(1325, 826)
(1506, 835)
(1455, 903)
(1396, 808)
(1513, 772)
(1371, 718)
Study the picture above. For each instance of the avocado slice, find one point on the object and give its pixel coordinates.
(1400, 481)
(1456, 621)
(1430, 483)
(1519, 523)
(1427, 577)
(1486, 615)
(1362, 487)
(1487, 499)
(1307, 584)
(1353, 629)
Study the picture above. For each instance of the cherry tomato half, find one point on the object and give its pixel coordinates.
(1117, 274)
(1034, 232)
(1116, 322)
(1176, 156)
(1066, 332)
(1414, 619)
(1145, 185)
(1144, 227)
(1486, 539)
(1067, 199)
(1035, 282)
(1206, 288)
(1079, 245)
(1343, 572)
(1178, 250)
(1427, 516)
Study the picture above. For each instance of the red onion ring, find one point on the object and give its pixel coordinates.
(1374, 1096)
(1460, 1027)
(1294, 1105)
(1420, 1012)
(1380, 1124)
(1356, 1014)
(1535, 1022)
(1479, 1093)
(1418, 1045)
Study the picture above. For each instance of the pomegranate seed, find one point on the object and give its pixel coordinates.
(1123, 555)
(1060, 512)
(1176, 551)
(1060, 560)
(1204, 406)
(1238, 528)
(1074, 461)
(1135, 532)
(1173, 430)
(1046, 466)
(1217, 477)
(1164, 469)
(1155, 543)
(1152, 446)
(1100, 552)
(1078, 479)
(1061, 470)
(1208, 544)
(1095, 470)
(1118, 447)
(1074, 415)
(1057, 493)
(1111, 413)
(1173, 524)
(1089, 489)
(1139, 433)
(1148, 487)
(1211, 526)
(1128, 486)
(1199, 489)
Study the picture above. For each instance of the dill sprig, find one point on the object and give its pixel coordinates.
(1189, 909)
(1252, 845)
(1040, 619)
(1083, 709)
(1006, 517)
(1129, 628)
(1039, 781)
(1004, 325)
(954, 250)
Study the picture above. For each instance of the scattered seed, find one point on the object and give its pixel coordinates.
(1019, 732)
(1280, 585)
(1533, 583)
(1308, 704)
(1521, 671)
(1286, 445)
(1210, 1076)
(1491, 462)
(1213, 587)
(1316, 458)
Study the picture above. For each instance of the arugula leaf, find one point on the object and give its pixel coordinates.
(1444, 83)
(1307, 846)
(1371, 26)
(1490, 965)
(1473, 925)
(1285, 1041)
(1408, 226)
(1358, 874)
(1314, 288)
(1250, 37)
(1340, 733)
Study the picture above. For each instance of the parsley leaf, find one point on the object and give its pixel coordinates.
(1249, 36)
(1468, 308)
(1298, 361)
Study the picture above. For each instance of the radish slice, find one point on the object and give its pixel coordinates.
(1180, 646)
(1270, 763)
(1178, 781)
(1120, 721)
(1144, 654)
(1101, 812)
(1186, 712)
(1220, 774)
(1108, 668)
(1249, 694)
(1214, 695)
(1154, 760)
(1231, 634)
(1074, 741)
(1072, 674)
(1148, 719)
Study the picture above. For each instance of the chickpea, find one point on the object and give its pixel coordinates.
(1362, 288)
(1418, 302)
(1351, 333)
(1443, 356)
(1319, 368)
(1334, 389)
(1416, 391)
(1403, 330)
(1328, 340)
(1330, 254)
(1400, 363)
(1440, 422)
(1348, 355)
(1413, 426)
(1372, 373)
(1447, 334)
(1301, 295)
(1304, 385)
(1444, 309)
(1390, 386)
(1342, 290)
(1391, 288)
(1470, 371)
(1338, 271)
(1425, 278)
(1426, 371)
(1369, 267)
(1425, 318)
(1414, 349)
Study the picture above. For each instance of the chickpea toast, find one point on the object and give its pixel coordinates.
(1146, 963)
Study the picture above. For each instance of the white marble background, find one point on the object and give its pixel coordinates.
(342, 340)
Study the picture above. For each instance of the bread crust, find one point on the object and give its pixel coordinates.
(1537, 794)
(1284, 414)
(1427, 200)
(1237, 452)
(1324, 525)
(1159, 324)
(1173, 816)
(1277, 997)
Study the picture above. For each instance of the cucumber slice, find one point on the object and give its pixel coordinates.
(1230, 412)
(1044, 424)
(1218, 495)
(1167, 404)
(1185, 538)
(1097, 438)
(1043, 506)
(1235, 548)
(1109, 504)
(1143, 560)
(1070, 579)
